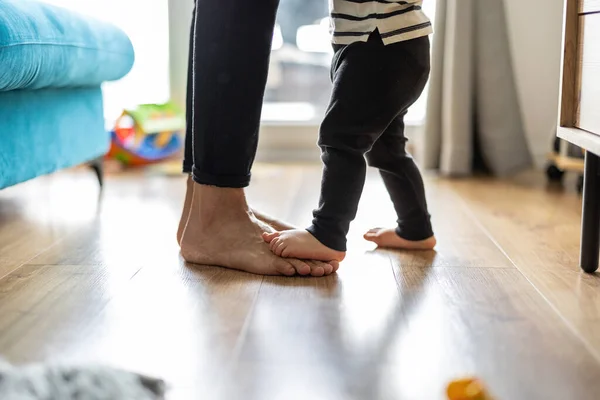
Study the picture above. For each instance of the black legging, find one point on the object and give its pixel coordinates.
(373, 87)
(228, 65)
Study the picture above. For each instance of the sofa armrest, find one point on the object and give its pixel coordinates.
(44, 46)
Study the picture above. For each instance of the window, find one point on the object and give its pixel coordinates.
(146, 24)
(298, 87)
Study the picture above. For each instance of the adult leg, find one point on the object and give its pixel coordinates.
(404, 184)
(232, 44)
(188, 157)
(188, 160)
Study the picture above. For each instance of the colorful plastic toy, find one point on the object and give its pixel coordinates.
(467, 389)
(148, 134)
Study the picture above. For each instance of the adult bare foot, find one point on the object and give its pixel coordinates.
(222, 231)
(299, 243)
(273, 222)
(390, 239)
(187, 203)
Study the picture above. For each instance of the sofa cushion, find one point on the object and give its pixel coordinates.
(42, 131)
(44, 46)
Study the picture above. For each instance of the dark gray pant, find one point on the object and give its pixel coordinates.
(373, 86)
(230, 46)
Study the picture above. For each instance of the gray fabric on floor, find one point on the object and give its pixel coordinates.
(61, 382)
(472, 93)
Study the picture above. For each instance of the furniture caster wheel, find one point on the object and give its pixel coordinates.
(554, 174)
(556, 145)
(580, 184)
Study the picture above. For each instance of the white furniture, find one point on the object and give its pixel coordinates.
(579, 121)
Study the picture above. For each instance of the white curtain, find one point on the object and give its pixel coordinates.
(473, 109)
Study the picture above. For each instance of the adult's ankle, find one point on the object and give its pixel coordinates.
(220, 201)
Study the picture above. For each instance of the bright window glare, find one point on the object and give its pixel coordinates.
(298, 88)
(147, 25)
(288, 112)
(315, 38)
(299, 73)
(277, 39)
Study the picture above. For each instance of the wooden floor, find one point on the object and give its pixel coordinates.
(88, 278)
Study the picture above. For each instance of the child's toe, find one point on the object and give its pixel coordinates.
(270, 236)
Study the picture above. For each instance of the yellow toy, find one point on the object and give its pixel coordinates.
(467, 389)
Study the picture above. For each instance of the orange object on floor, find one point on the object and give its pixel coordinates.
(467, 389)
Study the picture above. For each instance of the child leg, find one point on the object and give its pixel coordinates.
(404, 184)
(372, 83)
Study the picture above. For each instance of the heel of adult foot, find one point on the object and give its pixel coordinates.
(186, 250)
(183, 250)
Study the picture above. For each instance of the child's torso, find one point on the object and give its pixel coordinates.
(396, 20)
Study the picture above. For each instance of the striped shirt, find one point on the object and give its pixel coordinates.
(354, 20)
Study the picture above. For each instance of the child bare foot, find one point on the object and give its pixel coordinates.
(187, 203)
(301, 244)
(390, 239)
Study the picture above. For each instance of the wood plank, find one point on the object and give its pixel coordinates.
(20, 242)
(184, 325)
(38, 214)
(454, 230)
(589, 6)
(587, 110)
(111, 292)
(540, 232)
(569, 70)
(566, 163)
(389, 325)
(358, 338)
(442, 320)
(46, 307)
(303, 330)
(180, 324)
(493, 324)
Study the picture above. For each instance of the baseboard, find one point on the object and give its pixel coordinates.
(296, 143)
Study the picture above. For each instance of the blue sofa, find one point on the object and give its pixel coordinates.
(52, 63)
